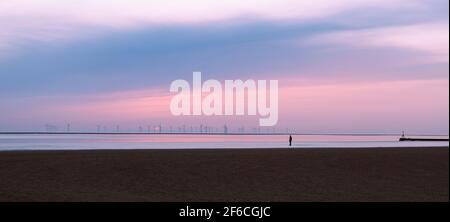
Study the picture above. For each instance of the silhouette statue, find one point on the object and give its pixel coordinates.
(290, 140)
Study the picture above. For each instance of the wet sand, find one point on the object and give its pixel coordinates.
(375, 174)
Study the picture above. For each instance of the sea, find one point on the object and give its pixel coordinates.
(94, 141)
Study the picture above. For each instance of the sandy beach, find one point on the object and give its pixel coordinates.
(384, 174)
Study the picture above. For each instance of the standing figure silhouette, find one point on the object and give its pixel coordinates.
(290, 140)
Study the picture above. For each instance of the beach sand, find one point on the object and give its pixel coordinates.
(375, 174)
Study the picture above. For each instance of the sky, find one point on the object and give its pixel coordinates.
(347, 66)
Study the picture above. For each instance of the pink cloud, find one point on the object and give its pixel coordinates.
(385, 106)
(430, 39)
(53, 20)
(389, 106)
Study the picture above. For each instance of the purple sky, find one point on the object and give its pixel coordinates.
(343, 66)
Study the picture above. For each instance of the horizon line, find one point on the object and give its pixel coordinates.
(214, 133)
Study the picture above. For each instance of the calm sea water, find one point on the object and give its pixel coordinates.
(155, 141)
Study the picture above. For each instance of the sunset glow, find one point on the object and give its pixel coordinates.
(110, 63)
